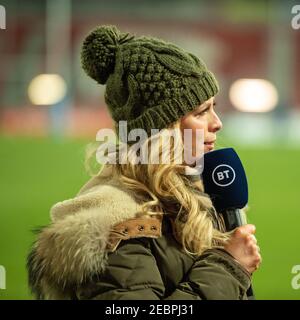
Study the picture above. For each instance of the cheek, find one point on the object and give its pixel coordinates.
(193, 124)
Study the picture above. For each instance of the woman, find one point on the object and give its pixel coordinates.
(144, 229)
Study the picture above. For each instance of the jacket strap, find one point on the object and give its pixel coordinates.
(150, 226)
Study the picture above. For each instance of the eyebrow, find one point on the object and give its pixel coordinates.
(203, 106)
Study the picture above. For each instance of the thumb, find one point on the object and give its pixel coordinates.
(248, 228)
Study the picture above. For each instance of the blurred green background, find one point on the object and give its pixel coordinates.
(42, 144)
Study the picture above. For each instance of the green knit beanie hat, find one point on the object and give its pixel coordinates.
(150, 83)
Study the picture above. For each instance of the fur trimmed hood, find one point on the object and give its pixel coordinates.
(72, 248)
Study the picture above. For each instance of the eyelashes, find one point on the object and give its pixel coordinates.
(205, 110)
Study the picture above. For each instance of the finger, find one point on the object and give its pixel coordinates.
(251, 239)
(253, 249)
(257, 259)
(255, 267)
(256, 263)
(250, 228)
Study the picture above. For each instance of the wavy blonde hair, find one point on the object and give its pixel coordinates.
(165, 189)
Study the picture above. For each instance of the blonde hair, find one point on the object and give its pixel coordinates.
(165, 189)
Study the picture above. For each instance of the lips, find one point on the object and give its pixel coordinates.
(210, 144)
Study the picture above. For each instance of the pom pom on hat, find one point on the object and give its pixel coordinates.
(98, 51)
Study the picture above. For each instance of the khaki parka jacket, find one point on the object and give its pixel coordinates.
(97, 247)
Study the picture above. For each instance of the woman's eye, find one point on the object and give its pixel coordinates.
(202, 112)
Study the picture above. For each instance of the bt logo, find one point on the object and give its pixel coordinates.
(223, 175)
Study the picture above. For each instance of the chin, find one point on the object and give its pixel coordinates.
(208, 148)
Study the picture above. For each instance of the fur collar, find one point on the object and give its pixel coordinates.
(72, 248)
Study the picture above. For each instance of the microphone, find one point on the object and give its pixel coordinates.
(225, 181)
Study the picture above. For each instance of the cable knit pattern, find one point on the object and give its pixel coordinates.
(150, 83)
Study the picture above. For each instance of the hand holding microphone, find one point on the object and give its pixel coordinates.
(243, 247)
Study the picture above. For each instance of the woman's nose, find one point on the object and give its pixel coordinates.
(216, 123)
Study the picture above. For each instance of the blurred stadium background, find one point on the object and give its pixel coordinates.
(50, 110)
